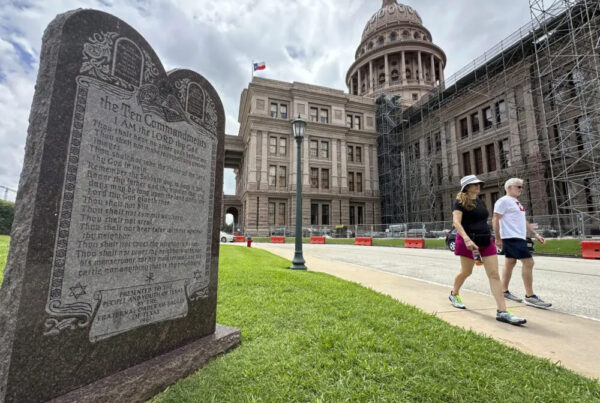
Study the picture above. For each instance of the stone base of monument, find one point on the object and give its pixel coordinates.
(139, 383)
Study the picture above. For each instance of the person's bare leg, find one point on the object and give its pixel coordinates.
(491, 269)
(466, 268)
(509, 265)
(527, 274)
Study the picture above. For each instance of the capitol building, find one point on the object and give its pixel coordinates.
(392, 148)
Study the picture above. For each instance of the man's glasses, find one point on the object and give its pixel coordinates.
(519, 187)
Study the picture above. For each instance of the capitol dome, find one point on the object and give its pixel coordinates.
(396, 56)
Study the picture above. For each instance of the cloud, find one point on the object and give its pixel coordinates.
(311, 41)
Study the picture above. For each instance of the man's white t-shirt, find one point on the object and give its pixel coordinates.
(512, 223)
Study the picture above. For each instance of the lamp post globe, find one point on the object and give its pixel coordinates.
(299, 129)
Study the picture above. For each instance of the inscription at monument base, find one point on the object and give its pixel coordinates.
(114, 250)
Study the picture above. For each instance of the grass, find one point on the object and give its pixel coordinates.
(310, 337)
(4, 241)
(567, 247)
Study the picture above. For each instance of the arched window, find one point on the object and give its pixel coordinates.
(381, 78)
(408, 74)
(380, 40)
(370, 45)
(394, 75)
(393, 36)
(405, 34)
(417, 35)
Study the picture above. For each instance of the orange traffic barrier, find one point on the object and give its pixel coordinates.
(277, 239)
(363, 241)
(590, 249)
(240, 238)
(418, 243)
(317, 239)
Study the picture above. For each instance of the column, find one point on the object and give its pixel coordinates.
(351, 84)
(420, 68)
(432, 69)
(334, 166)
(370, 85)
(344, 154)
(403, 67)
(264, 179)
(252, 159)
(441, 74)
(367, 184)
(387, 71)
(359, 92)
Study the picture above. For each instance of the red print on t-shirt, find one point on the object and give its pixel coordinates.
(520, 207)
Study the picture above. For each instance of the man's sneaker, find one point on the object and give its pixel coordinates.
(536, 301)
(507, 317)
(511, 296)
(456, 301)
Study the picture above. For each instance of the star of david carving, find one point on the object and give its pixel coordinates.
(150, 277)
(197, 274)
(78, 290)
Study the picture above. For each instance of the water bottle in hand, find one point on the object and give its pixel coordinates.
(477, 257)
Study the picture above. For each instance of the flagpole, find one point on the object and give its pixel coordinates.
(252, 71)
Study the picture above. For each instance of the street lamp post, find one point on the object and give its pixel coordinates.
(299, 127)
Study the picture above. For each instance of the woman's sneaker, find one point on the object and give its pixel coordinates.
(536, 301)
(511, 296)
(456, 301)
(507, 317)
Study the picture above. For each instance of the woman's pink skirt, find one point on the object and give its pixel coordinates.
(460, 249)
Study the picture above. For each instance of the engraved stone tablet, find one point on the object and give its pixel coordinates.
(114, 249)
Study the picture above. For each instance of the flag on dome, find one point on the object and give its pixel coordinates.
(259, 66)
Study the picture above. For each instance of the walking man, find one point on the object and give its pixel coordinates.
(511, 227)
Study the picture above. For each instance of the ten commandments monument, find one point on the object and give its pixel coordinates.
(113, 259)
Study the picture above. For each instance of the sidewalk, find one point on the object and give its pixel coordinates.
(570, 341)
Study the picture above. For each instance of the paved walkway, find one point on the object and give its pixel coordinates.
(568, 340)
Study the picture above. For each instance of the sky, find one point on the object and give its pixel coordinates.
(310, 41)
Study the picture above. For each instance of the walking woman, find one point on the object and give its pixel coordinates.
(474, 240)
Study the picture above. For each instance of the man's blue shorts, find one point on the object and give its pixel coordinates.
(515, 248)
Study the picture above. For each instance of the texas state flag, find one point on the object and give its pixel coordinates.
(259, 66)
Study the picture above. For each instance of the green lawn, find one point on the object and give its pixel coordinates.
(307, 336)
(570, 247)
(4, 241)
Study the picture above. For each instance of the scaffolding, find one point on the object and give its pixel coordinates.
(542, 83)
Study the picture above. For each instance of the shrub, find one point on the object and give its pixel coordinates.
(7, 213)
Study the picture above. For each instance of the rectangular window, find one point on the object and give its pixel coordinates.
(487, 118)
(490, 153)
(503, 149)
(282, 146)
(464, 128)
(357, 122)
(273, 110)
(351, 181)
(282, 176)
(314, 178)
(324, 116)
(429, 148)
(360, 215)
(494, 196)
(314, 114)
(314, 149)
(283, 111)
(438, 142)
(358, 154)
(272, 174)
(440, 173)
(417, 149)
(359, 182)
(501, 112)
(475, 122)
(415, 96)
(324, 178)
(349, 121)
(272, 145)
(314, 214)
(352, 220)
(325, 150)
(281, 213)
(478, 161)
(467, 163)
(324, 214)
(271, 213)
(578, 135)
(351, 153)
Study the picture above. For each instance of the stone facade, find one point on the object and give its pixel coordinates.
(339, 173)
